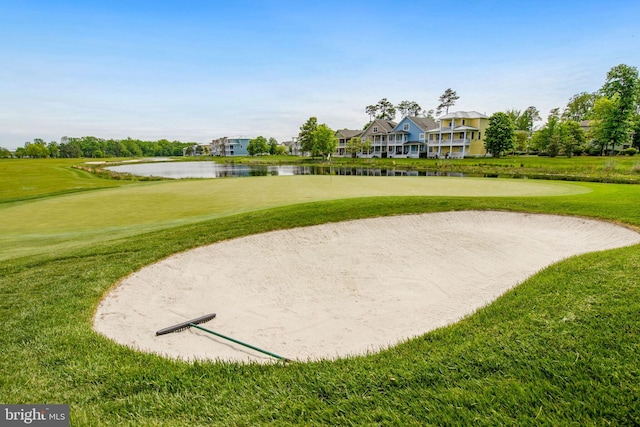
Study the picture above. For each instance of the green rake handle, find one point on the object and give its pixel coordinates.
(240, 342)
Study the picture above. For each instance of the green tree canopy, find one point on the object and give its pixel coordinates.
(447, 99)
(326, 141)
(258, 146)
(615, 118)
(273, 146)
(371, 110)
(409, 108)
(500, 134)
(579, 107)
(5, 153)
(306, 135)
(605, 126)
(385, 109)
(559, 137)
(317, 139)
(354, 146)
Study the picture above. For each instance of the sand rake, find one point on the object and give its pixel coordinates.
(194, 324)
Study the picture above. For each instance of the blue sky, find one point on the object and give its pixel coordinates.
(199, 70)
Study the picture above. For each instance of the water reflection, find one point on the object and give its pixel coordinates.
(177, 170)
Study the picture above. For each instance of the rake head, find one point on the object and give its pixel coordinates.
(186, 325)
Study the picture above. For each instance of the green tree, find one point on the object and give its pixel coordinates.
(367, 145)
(447, 99)
(36, 149)
(70, 149)
(354, 146)
(54, 149)
(527, 119)
(500, 134)
(385, 109)
(521, 141)
(636, 132)
(325, 140)
(605, 128)
(273, 146)
(576, 138)
(514, 115)
(622, 87)
(409, 108)
(258, 146)
(5, 153)
(306, 135)
(579, 107)
(371, 110)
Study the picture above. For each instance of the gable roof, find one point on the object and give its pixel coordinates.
(423, 123)
(348, 133)
(384, 126)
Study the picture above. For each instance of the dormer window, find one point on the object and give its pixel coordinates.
(375, 129)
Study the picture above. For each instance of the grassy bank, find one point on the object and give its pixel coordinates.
(584, 168)
(559, 349)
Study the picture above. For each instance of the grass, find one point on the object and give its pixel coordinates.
(51, 224)
(559, 349)
(24, 179)
(618, 169)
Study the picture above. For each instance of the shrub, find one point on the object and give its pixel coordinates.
(630, 151)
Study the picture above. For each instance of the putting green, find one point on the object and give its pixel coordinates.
(78, 219)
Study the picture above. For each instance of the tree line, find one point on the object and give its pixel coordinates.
(92, 147)
(386, 110)
(606, 121)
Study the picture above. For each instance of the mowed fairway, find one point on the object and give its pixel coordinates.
(74, 220)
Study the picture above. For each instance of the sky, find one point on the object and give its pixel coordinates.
(194, 71)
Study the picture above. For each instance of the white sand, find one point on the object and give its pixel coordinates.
(341, 289)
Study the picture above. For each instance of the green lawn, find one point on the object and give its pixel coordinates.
(33, 178)
(559, 349)
(51, 224)
(619, 169)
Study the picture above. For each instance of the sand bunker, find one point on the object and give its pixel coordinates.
(341, 289)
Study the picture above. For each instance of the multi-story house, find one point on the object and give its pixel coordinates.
(459, 134)
(293, 146)
(377, 133)
(344, 135)
(408, 138)
(229, 146)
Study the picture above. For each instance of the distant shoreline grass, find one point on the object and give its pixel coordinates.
(560, 348)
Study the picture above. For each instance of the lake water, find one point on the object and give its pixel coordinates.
(177, 170)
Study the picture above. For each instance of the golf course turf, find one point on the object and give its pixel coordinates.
(560, 348)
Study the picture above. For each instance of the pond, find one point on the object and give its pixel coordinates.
(177, 170)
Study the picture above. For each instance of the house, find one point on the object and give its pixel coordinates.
(344, 135)
(229, 146)
(293, 147)
(408, 138)
(377, 134)
(458, 135)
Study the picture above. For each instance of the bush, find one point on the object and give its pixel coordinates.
(630, 151)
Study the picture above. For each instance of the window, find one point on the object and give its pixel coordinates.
(479, 135)
(462, 122)
(405, 127)
(421, 137)
(375, 129)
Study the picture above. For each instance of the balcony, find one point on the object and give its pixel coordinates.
(449, 142)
